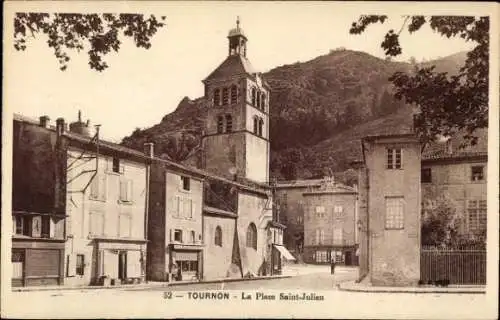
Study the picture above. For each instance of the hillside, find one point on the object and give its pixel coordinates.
(319, 111)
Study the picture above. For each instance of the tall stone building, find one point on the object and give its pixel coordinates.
(236, 137)
(389, 210)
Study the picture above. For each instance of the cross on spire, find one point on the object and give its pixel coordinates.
(237, 22)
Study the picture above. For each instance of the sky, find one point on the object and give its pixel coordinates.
(141, 86)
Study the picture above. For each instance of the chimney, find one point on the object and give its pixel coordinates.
(44, 121)
(60, 126)
(149, 149)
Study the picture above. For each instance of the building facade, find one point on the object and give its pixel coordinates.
(94, 203)
(38, 204)
(291, 203)
(330, 225)
(389, 211)
(175, 223)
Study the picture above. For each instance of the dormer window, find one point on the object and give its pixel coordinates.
(217, 97)
(234, 94)
(225, 96)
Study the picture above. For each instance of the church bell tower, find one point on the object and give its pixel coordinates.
(236, 137)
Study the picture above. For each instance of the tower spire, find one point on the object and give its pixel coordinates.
(237, 40)
(238, 22)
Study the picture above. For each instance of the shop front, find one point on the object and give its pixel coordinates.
(185, 262)
(119, 261)
(37, 262)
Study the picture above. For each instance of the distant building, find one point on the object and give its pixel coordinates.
(330, 225)
(389, 210)
(291, 202)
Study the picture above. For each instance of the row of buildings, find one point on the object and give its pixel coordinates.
(87, 211)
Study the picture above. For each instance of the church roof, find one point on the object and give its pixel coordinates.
(233, 65)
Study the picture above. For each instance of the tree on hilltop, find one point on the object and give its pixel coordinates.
(448, 104)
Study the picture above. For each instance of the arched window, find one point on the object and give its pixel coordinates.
(234, 94)
(217, 97)
(220, 124)
(261, 125)
(256, 125)
(258, 100)
(229, 123)
(254, 96)
(263, 102)
(218, 236)
(225, 96)
(252, 236)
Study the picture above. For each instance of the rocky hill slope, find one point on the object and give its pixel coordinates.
(319, 111)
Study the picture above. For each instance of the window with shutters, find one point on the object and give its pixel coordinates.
(338, 236)
(178, 235)
(218, 236)
(98, 187)
(126, 186)
(394, 158)
(220, 124)
(234, 94)
(394, 212)
(125, 225)
(476, 210)
(320, 211)
(229, 123)
(96, 223)
(225, 96)
(80, 264)
(217, 97)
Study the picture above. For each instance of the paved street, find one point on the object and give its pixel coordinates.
(304, 277)
(151, 302)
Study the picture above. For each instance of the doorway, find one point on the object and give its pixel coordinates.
(348, 258)
(122, 265)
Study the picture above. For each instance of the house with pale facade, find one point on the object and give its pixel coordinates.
(330, 232)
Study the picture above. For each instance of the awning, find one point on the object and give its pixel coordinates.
(284, 252)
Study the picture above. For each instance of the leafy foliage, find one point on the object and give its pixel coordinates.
(71, 31)
(439, 223)
(448, 103)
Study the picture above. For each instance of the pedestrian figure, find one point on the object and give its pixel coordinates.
(332, 266)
